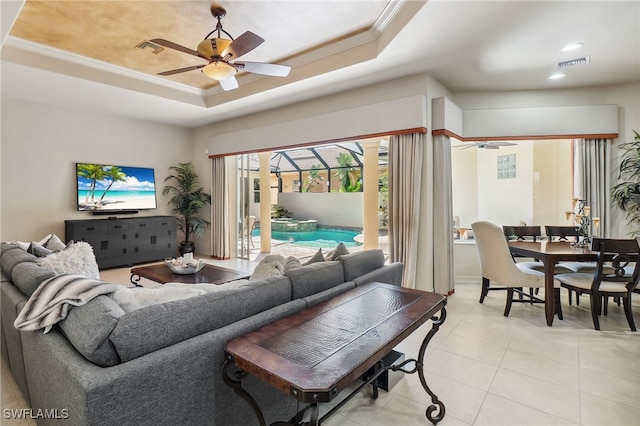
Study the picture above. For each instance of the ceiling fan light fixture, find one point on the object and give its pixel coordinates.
(219, 70)
(211, 47)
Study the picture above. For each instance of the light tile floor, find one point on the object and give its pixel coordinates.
(492, 370)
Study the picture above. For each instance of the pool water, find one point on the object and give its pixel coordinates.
(322, 237)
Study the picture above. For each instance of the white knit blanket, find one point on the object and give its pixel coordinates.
(51, 301)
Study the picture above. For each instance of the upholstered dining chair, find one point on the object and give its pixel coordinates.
(498, 266)
(530, 233)
(619, 282)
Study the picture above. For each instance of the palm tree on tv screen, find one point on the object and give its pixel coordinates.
(94, 173)
(116, 175)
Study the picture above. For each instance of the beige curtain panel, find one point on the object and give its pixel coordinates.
(220, 224)
(405, 171)
(592, 178)
(442, 211)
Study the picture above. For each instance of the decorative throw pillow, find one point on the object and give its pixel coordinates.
(38, 249)
(78, 259)
(272, 265)
(292, 263)
(338, 251)
(25, 245)
(318, 257)
(55, 243)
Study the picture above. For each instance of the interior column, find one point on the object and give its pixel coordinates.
(370, 178)
(265, 201)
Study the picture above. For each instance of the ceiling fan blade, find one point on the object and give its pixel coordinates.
(229, 84)
(179, 70)
(241, 45)
(264, 69)
(174, 46)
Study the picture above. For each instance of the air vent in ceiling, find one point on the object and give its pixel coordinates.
(146, 43)
(573, 62)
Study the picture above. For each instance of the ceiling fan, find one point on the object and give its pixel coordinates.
(221, 54)
(485, 145)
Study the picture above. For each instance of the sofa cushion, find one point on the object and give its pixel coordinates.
(314, 278)
(27, 276)
(390, 274)
(88, 328)
(360, 263)
(316, 298)
(12, 255)
(180, 320)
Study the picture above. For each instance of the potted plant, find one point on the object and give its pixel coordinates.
(187, 198)
(626, 194)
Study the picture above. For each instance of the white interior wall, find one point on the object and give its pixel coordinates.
(40, 146)
(329, 208)
(464, 177)
(506, 201)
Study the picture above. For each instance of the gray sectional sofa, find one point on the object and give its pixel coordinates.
(160, 364)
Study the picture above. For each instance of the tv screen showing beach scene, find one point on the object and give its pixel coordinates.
(111, 188)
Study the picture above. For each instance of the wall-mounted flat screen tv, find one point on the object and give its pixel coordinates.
(111, 188)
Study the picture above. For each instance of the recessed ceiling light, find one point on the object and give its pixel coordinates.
(556, 76)
(570, 47)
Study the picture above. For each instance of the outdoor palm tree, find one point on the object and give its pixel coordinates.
(187, 199)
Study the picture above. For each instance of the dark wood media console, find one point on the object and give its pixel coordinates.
(126, 241)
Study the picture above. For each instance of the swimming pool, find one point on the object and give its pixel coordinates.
(322, 237)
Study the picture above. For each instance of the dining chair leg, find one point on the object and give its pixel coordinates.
(507, 307)
(569, 293)
(485, 289)
(596, 301)
(626, 302)
(558, 303)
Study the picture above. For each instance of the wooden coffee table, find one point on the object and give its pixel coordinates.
(209, 274)
(316, 353)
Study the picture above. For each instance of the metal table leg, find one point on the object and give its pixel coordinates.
(419, 368)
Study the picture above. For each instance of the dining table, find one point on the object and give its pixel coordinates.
(550, 253)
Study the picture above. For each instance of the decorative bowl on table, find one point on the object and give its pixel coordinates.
(182, 267)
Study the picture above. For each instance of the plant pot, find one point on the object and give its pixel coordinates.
(186, 247)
